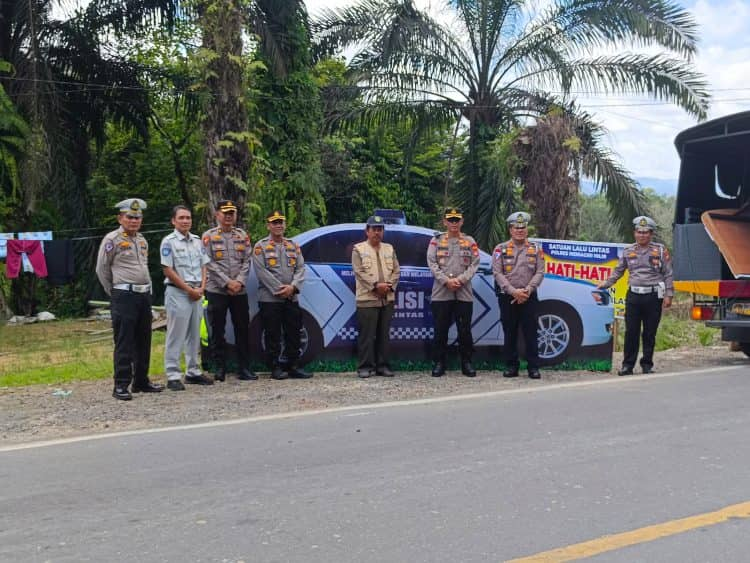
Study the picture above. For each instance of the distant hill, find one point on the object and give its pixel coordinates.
(659, 185)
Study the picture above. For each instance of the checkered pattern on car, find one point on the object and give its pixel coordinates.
(397, 333)
(412, 333)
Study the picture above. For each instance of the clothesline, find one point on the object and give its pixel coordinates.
(99, 237)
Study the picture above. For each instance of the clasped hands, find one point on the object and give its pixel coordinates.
(520, 296)
(234, 287)
(285, 291)
(382, 288)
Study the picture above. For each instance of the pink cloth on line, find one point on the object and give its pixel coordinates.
(33, 250)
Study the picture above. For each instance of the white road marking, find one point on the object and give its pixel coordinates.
(389, 404)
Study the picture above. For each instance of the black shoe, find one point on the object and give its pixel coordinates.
(148, 387)
(468, 370)
(121, 393)
(511, 372)
(364, 373)
(297, 373)
(385, 371)
(647, 370)
(626, 370)
(438, 369)
(278, 373)
(534, 374)
(198, 380)
(246, 375)
(175, 385)
(221, 374)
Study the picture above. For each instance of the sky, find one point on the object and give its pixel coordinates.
(641, 130)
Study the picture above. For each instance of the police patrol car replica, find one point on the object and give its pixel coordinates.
(572, 314)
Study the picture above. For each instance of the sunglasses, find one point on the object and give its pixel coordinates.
(454, 219)
(277, 222)
(133, 217)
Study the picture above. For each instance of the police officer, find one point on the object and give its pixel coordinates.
(453, 258)
(518, 268)
(650, 288)
(229, 252)
(376, 272)
(122, 269)
(183, 261)
(280, 268)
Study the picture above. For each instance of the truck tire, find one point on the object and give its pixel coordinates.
(745, 347)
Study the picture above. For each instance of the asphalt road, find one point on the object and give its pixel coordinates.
(487, 479)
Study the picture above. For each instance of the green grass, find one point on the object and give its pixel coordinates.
(675, 332)
(62, 351)
(59, 352)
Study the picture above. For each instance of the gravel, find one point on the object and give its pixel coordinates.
(42, 412)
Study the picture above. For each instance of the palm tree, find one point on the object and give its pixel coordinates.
(499, 64)
(67, 84)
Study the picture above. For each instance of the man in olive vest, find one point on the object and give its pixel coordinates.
(376, 271)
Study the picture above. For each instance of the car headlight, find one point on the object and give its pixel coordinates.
(601, 297)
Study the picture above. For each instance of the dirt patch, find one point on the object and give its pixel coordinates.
(35, 413)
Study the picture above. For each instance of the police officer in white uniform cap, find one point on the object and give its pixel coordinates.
(518, 269)
(122, 269)
(183, 261)
(650, 288)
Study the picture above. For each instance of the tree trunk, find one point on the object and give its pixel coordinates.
(550, 179)
(227, 156)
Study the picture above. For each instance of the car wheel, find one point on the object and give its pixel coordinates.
(559, 332)
(311, 338)
(745, 347)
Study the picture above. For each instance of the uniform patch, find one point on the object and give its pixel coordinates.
(205, 241)
(257, 251)
(166, 251)
(497, 255)
(109, 246)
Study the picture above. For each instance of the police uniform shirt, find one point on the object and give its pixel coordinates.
(122, 259)
(453, 258)
(277, 264)
(185, 254)
(517, 267)
(229, 258)
(647, 266)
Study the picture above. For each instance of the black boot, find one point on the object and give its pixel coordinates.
(438, 369)
(246, 375)
(221, 373)
(278, 373)
(121, 392)
(468, 370)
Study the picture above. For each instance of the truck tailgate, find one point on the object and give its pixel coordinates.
(730, 230)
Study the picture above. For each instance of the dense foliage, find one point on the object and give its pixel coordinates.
(188, 101)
